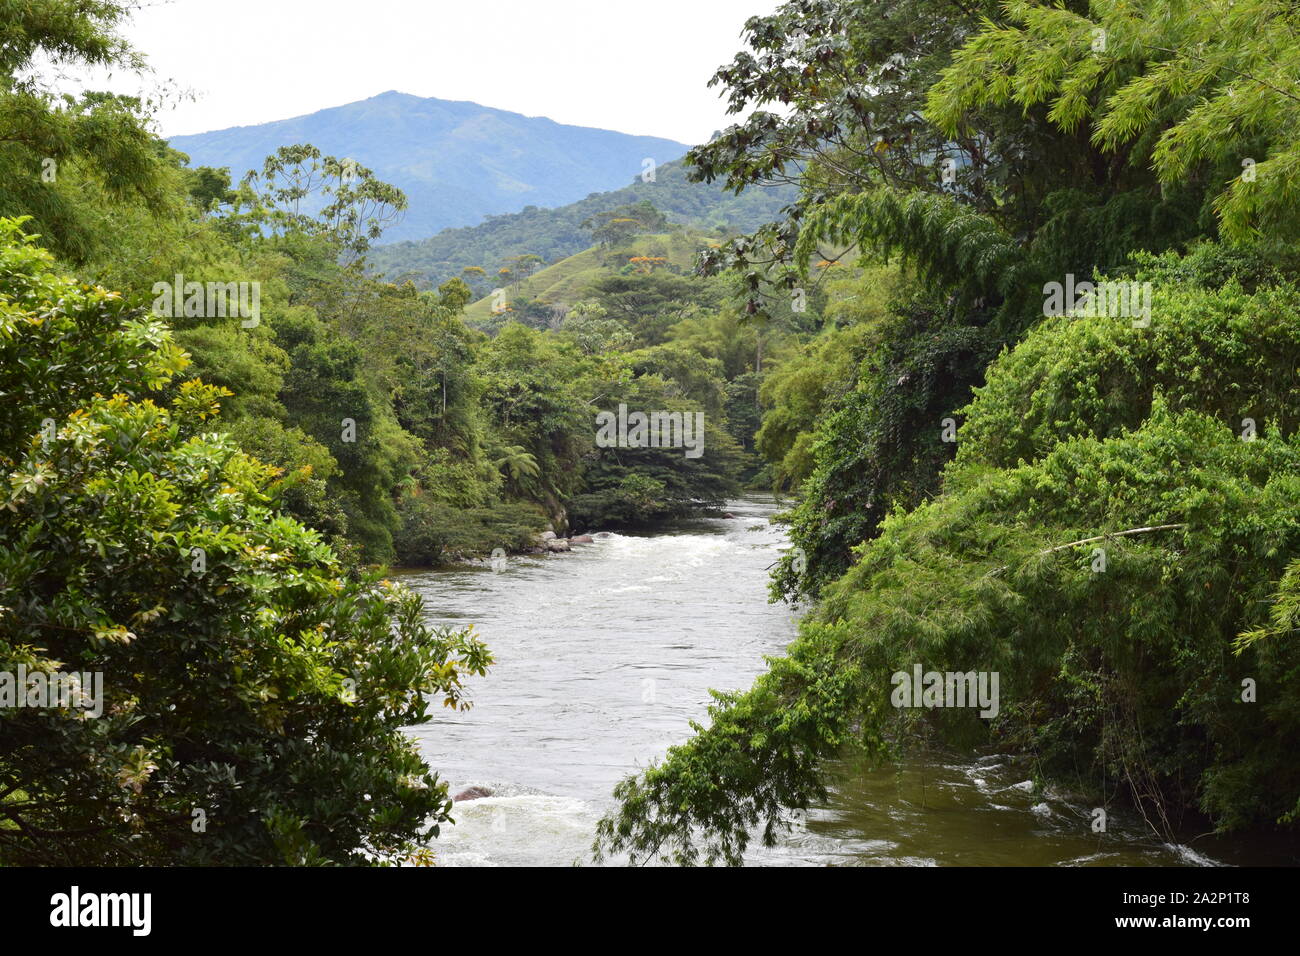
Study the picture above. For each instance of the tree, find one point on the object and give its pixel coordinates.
(252, 694)
(616, 226)
(647, 304)
(520, 468)
(1199, 91)
(1129, 671)
(878, 164)
(523, 267)
(210, 188)
(50, 144)
(340, 200)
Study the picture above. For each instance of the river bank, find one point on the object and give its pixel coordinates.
(607, 653)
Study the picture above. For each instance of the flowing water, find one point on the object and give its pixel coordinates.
(604, 656)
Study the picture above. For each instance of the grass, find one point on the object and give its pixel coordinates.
(566, 282)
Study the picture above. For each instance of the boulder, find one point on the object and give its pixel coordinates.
(557, 544)
(581, 539)
(471, 793)
(546, 536)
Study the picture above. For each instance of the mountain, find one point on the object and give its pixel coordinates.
(456, 161)
(555, 234)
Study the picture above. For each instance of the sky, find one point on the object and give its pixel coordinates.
(629, 65)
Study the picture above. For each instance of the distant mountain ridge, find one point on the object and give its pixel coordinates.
(555, 234)
(456, 161)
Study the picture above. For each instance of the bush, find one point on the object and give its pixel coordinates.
(433, 533)
(1224, 352)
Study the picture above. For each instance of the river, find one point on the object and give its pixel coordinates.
(604, 656)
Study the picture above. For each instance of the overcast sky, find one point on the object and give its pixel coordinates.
(629, 65)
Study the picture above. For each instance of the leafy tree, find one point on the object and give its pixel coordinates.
(520, 468)
(529, 393)
(882, 445)
(616, 226)
(588, 326)
(1201, 91)
(50, 146)
(210, 188)
(802, 385)
(340, 200)
(524, 266)
(648, 304)
(1210, 346)
(252, 694)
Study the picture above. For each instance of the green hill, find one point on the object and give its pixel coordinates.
(556, 234)
(566, 282)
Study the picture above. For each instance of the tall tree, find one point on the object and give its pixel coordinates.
(49, 143)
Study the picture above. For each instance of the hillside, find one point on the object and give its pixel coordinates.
(456, 161)
(565, 282)
(555, 234)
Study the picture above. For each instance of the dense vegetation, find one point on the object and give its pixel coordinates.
(199, 498)
(1097, 504)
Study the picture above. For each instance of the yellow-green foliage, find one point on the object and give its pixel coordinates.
(565, 282)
